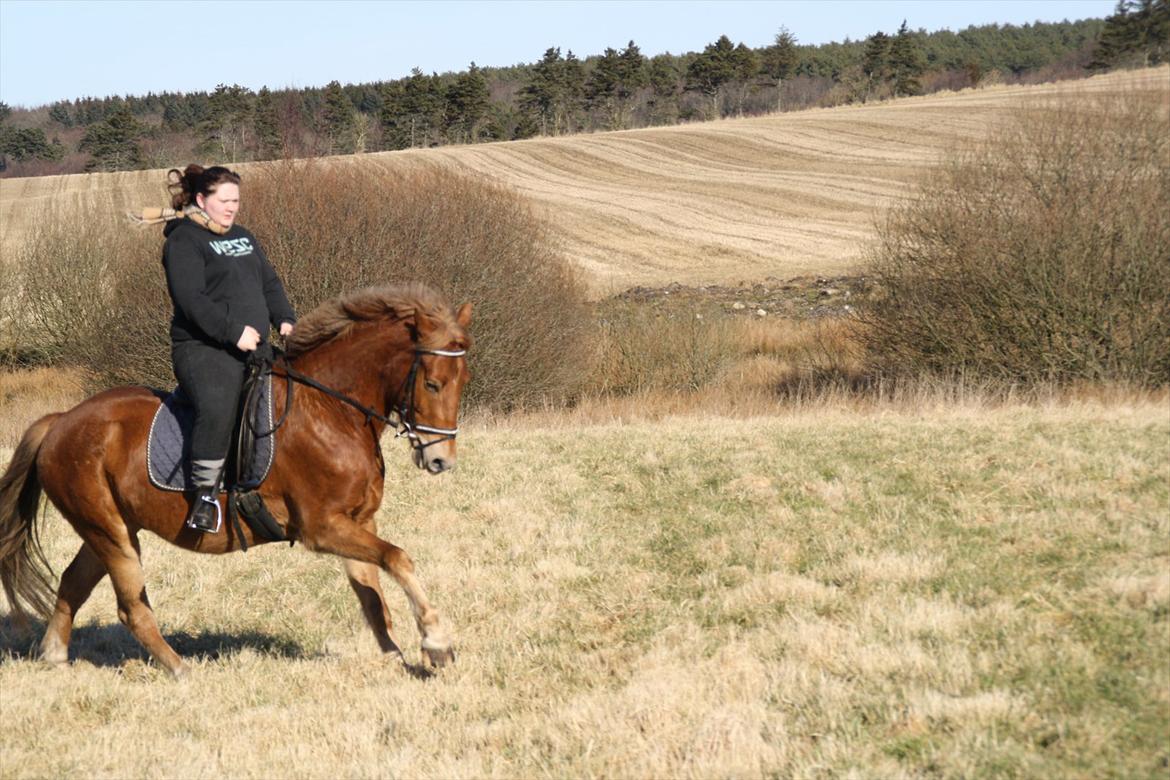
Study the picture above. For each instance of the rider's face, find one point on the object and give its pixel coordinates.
(221, 205)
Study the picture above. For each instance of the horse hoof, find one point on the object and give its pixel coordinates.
(439, 657)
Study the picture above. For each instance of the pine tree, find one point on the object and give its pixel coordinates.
(554, 92)
(226, 128)
(1137, 33)
(710, 71)
(424, 106)
(663, 77)
(113, 143)
(59, 113)
(572, 78)
(615, 79)
(266, 127)
(875, 63)
(780, 61)
(337, 118)
(467, 105)
(907, 62)
(395, 129)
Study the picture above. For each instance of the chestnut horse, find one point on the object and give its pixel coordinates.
(390, 349)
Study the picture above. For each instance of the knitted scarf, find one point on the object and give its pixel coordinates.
(156, 216)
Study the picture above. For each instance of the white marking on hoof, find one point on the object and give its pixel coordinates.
(53, 652)
(435, 644)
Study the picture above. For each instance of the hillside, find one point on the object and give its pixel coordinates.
(783, 195)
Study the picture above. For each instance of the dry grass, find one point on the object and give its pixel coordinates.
(956, 593)
(740, 199)
(26, 396)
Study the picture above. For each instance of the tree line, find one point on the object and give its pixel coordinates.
(561, 93)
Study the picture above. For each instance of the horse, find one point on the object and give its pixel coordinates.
(376, 352)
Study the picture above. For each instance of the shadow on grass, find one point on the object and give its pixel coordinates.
(111, 645)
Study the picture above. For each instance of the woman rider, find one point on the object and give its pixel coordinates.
(226, 296)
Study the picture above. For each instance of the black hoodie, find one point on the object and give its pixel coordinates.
(219, 284)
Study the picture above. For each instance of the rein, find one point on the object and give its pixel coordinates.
(406, 423)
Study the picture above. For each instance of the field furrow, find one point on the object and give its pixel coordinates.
(781, 195)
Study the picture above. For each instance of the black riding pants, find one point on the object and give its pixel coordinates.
(211, 379)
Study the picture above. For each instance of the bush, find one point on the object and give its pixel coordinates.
(94, 292)
(638, 349)
(1040, 255)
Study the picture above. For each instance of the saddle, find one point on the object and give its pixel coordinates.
(249, 460)
(168, 448)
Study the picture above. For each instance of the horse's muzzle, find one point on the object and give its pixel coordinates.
(435, 463)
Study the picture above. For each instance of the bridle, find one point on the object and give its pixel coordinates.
(403, 420)
(408, 425)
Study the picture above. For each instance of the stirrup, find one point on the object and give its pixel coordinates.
(200, 517)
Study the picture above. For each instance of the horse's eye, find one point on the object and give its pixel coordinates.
(433, 386)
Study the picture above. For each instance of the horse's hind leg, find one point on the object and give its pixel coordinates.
(123, 560)
(77, 583)
(365, 581)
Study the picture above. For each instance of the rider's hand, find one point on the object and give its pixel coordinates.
(285, 329)
(249, 340)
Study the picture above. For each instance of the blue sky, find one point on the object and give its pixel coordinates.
(62, 49)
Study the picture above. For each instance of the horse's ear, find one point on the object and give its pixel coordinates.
(463, 316)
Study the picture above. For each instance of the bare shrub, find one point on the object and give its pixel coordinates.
(94, 292)
(638, 349)
(71, 305)
(333, 228)
(1042, 254)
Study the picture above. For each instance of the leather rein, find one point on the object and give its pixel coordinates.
(403, 419)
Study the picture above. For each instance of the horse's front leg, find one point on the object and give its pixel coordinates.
(340, 535)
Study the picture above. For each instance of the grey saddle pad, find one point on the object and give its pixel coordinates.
(168, 448)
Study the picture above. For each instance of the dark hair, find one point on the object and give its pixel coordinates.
(196, 180)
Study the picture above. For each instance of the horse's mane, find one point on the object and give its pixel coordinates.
(335, 317)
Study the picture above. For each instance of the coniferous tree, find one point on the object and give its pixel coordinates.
(338, 120)
(572, 78)
(113, 142)
(226, 127)
(395, 128)
(541, 94)
(906, 62)
(1137, 33)
(467, 106)
(709, 72)
(266, 127)
(780, 61)
(59, 113)
(747, 66)
(663, 76)
(875, 63)
(554, 92)
(615, 79)
(424, 106)
(28, 143)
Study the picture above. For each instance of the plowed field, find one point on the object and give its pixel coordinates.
(713, 202)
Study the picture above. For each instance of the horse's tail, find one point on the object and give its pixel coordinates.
(24, 572)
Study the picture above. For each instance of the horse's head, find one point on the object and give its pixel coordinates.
(428, 405)
(419, 346)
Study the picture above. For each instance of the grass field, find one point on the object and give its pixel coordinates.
(715, 202)
(664, 582)
(952, 591)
